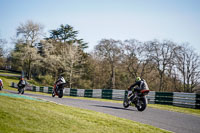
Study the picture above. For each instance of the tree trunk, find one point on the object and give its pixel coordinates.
(113, 77)
(71, 76)
(29, 70)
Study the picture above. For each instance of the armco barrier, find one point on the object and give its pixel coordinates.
(88, 93)
(80, 92)
(197, 101)
(34, 88)
(50, 89)
(106, 94)
(41, 89)
(73, 92)
(184, 99)
(151, 97)
(164, 98)
(118, 94)
(189, 100)
(45, 90)
(66, 91)
(97, 93)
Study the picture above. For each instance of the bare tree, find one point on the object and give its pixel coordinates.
(188, 64)
(30, 32)
(136, 59)
(28, 35)
(2, 52)
(162, 54)
(109, 49)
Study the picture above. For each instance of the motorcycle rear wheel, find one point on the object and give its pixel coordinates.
(22, 91)
(142, 104)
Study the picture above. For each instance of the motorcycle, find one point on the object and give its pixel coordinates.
(58, 90)
(21, 89)
(137, 98)
(1, 86)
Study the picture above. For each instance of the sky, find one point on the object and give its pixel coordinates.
(144, 20)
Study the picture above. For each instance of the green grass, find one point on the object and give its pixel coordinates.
(35, 83)
(9, 73)
(20, 115)
(176, 109)
(8, 80)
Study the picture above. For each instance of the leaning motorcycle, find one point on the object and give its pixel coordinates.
(58, 90)
(21, 89)
(1, 86)
(137, 98)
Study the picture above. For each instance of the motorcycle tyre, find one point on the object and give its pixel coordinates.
(143, 105)
(60, 93)
(125, 103)
(53, 93)
(22, 91)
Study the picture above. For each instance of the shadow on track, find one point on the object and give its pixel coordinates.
(119, 108)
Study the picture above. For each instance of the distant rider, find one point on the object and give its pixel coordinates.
(1, 84)
(22, 83)
(60, 82)
(141, 85)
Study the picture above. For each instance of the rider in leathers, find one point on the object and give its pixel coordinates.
(60, 82)
(141, 83)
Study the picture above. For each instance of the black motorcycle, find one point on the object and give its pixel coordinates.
(21, 89)
(58, 90)
(137, 98)
(1, 86)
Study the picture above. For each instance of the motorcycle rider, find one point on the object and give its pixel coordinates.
(1, 84)
(21, 83)
(60, 82)
(141, 83)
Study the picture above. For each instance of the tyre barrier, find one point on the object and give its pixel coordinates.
(188, 100)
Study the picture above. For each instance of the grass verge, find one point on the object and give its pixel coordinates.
(8, 80)
(9, 73)
(21, 115)
(176, 109)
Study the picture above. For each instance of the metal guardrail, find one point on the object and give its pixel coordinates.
(189, 100)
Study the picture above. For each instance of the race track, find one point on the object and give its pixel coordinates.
(172, 121)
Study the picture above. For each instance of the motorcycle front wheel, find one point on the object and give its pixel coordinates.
(126, 102)
(60, 93)
(53, 93)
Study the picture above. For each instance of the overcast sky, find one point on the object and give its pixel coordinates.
(144, 20)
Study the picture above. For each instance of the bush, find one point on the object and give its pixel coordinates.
(46, 80)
